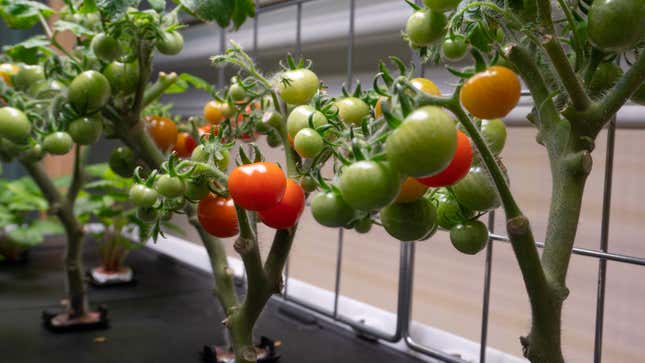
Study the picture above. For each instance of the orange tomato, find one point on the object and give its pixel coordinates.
(492, 93)
(184, 145)
(287, 212)
(458, 167)
(218, 216)
(411, 190)
(6, 71)
(378, 108)
(426, 85)
(214, 112)
(162, 130)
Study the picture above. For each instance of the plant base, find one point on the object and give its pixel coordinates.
(99, 277)
(60, 322)
(266, 352)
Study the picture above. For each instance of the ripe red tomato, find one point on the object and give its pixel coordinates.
(458, 167)
(241, 117)
(286, 213)
(257, 186)
(492, 93)
(184, 145)
(162, 130)
(218, 216)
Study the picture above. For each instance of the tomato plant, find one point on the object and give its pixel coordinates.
(287, 212)
(257, 186)
(218, 216)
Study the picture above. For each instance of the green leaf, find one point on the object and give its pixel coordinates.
(221, 11)
(185, 80)
(158, 5)
(77, 29)
(115, 9)
(47, 226)
(89, 6)
(31, 51)
(25, 236)
(22, 14)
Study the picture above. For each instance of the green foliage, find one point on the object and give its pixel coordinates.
(31, 51)
(23, 14)
(221, 11)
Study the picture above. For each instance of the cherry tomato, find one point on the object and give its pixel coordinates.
(201, 155)
(424, 144)
(492, 93)
(426, 85)
(368, 185)
(197, 189)
(162, 130)
(86, 130)
(105, 47)
(494, 132)
(442, 5)
(299, 119)
(454, 49)
(300, 88)
(185, 144)
(616, 25)
(469, 237)
(308, 143)
(424, 27)
(409, 221)
(7, 71)
(476, 191)
(28, 75)
(58, 143)
(330, 210)
(458, 167)
(89, 92)
(237, 93)
(218, 216)
(351, 110)
(33, 154)
(122, 161)
(449, 211)
(170, 43)
(170, 186)
(257, 186)
(14, 125)
(273, 139)
(214, 112)
(123, 77)
(287, 212)
(142, 196)
(308, 183)
(411, 190)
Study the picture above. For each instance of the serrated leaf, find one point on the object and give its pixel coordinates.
(115, 9)
(158, 5)
(89, 6)
(31, 51)
(22, 14)
(184, 81)
(221, 11)
(77, 29)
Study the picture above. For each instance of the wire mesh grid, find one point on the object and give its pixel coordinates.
(407, 249)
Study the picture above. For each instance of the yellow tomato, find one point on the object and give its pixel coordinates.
(6, 71)
(213, 112)
(426, 86)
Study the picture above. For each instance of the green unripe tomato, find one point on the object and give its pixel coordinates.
(476, 191)
(58, 143)
(442, 5)
(363, 225)
(308, 183)
(330, 210)
(45, 89)
(369, 185)
(237, 92)
(469, 237)
(14, 125)
(89, 92)
(425, 27)
(298, 86)
(616, 25)
(123, 77)
(299, 119)
(142, 196)
(197, 190)
(122, 161)
(170, 43)
(27, 76)
(351, 110)
(33, 154)
(409, 221)
(308, 143)
(105, 47)
(86, 130)
(449, 211)
(494, 132)
(454, 49)
(200, 154)
(273, 139)
(170, 186)
(222, 163)
(605, 77)
(147, 215)
(424, 144)
(273, 119)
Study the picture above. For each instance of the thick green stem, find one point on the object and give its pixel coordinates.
(64, 210)
(158, 88)
(579, 98)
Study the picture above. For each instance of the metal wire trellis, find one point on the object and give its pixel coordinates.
(407, 249)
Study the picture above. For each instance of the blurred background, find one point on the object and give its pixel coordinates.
(448, 286)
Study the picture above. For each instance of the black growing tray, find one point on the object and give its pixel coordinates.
(169, 316)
